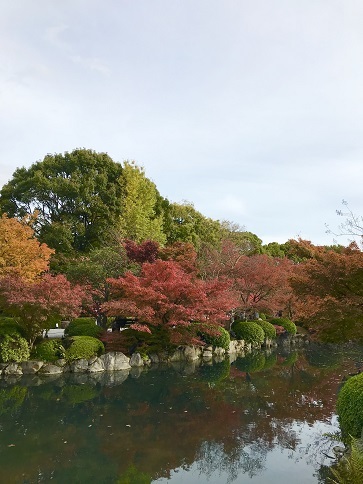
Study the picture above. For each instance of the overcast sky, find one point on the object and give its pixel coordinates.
(250, 109)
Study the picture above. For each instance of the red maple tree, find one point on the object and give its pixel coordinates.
(37, 305)
(165, 295)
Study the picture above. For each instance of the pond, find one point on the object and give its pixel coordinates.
(258, 419)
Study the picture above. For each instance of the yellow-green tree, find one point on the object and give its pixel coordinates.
(20, 252)
(141, 218)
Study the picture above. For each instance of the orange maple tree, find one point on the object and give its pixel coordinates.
(20, 252)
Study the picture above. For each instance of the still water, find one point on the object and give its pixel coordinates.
(259, 419)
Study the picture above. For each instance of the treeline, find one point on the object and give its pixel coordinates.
(82, 234)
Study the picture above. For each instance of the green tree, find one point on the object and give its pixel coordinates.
(185, 224)
(142, 218)
(77, 196)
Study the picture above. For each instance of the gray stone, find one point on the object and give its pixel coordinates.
(136, 360)
(192, 353)
(2, 367)
(115, 361)
(31, 367)
(79, 366)
(178, 355)
(61, 362)
(50, 369)
(13, 369)
(154, 358)
(96, 366)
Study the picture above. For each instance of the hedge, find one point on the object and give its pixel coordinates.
(83, 347)
(269, 329)
(350, 407)
(285, 323)
(249, 331)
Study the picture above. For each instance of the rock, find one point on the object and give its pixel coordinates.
(79, 366)
(236, 346)
(31, 367)
(95, 365)
(208, 348)
(2, 367)
(207, 354)
(178, 355)
(115, 361)
(115, 378)
(61, 362)
(192, 353)
(218, 351)
(13, 369)
(50, 369)
(154, 358)
(136, 360)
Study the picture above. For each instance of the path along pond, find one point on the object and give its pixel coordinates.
(260, 419)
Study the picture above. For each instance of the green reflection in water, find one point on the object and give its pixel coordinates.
(252, 418)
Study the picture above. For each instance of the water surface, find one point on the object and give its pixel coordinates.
(259, 419)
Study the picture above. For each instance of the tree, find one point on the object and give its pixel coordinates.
(183, 223)
(39, 304)
(262, 282)
(328, 290)
(78, 197)
(164, 295)
(146, 251)
(141, 218)
(93, 270)
(20, 252)
(351, 227)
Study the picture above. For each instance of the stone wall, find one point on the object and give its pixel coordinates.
(115, 361)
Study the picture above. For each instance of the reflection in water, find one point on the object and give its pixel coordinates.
(261, 418)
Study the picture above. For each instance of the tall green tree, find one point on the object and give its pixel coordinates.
(78, 197)
(142, 218)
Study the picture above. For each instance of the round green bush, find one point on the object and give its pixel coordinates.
(13, 347)
(49, 350)
(285, 323)
(84, 347)
(222, 339)
(83, 327)
(350, 407)
(249, 331)
(268, 328)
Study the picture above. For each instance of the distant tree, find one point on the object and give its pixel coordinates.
(351, 227)
(37, 305)
(78, 197)
(164, 295)
(20, 252)
(141, 216)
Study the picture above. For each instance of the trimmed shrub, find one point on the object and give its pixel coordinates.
(249, 331)
(220, 336)
(14, 347)
(289, 326)
(350, 407)
(268, 328)
(83, 327)
(83, 347)
(49, 350)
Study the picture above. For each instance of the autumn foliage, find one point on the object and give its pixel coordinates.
(328, 291)
(20, 252)
(164, 295)
(39, 304)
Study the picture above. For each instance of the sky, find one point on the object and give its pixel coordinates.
(250, 109)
